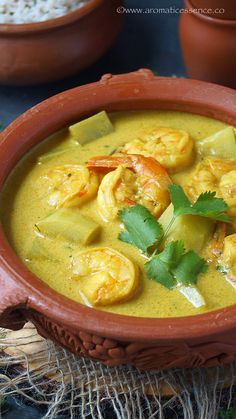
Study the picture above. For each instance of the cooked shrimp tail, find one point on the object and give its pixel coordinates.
(216, 244)
(100, 163)
(134, 162)
(136, 179)
(228, 259)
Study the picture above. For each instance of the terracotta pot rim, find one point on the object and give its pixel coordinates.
(24, 28)
(208, 18)
(130, 91)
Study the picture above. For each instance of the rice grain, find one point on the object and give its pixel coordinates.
(28, 11)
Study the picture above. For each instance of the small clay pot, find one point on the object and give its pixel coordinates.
(225, 9)
(148, 343)
(52, 50)
(209, 45)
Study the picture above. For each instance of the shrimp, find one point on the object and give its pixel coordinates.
(213, 174)
(136, 179)
(222, 252)
(71, 185)
(216, 244)
(105, 276)
(228, 259)
(227, 188)
(172, 148)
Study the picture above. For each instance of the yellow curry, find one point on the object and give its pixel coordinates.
(132, 213)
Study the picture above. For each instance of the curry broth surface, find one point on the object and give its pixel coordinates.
(24, 203)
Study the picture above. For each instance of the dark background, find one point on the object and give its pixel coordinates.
(146, 40)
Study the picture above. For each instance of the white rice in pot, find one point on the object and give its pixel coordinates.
(28, 11)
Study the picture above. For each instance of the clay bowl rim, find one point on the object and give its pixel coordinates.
(209, 18)
(137, 91)
(47, 25)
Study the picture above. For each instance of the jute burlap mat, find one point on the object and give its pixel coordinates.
(74, 387)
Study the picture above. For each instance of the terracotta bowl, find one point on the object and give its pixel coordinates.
(46, 51)
(216, 8)
(148, 343)
(208, 43)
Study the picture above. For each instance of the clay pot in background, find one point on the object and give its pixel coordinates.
(209, 43)
(211, 8)
(43, 52)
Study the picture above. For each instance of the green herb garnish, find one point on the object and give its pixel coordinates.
(142, 230)
(207, 205)
(174, 266)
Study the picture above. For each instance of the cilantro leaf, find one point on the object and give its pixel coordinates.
(142, 230)
(178, 197)
(158, 271)
(188, 268)
(207, 205)
(172, 253)
(174, 267)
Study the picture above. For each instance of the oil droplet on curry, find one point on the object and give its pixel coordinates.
(66, 206)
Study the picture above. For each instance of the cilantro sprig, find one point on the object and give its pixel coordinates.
(172, 266)
(144, 231)
(207, 205)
